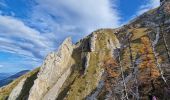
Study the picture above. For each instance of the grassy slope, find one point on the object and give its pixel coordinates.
(6, 90)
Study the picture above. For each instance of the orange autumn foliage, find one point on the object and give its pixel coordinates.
(111, 61)
(111, 73)
(109, 66)
(148, 60)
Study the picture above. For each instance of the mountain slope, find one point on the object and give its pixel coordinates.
(127, 63)
(12, 77)
(6, 90)
(4, 75)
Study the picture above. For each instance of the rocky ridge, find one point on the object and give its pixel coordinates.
(127, 63)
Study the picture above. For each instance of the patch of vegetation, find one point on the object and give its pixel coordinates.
(138, 33)
(67, 85)
(6, 90)
(84, 84)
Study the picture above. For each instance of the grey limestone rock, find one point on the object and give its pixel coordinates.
(51, 71)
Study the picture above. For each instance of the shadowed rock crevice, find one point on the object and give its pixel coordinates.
(27, 86)
(21, 90)
(64, 92)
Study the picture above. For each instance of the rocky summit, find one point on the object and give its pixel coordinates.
(127, 63)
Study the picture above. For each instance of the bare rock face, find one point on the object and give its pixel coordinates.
(17, 90)
(53, 68)
(113, 45)
(129, 63)
(52, 94)
(85, 57)
(93, 42)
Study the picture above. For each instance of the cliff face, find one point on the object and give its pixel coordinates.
(130, 63)
(55, 65)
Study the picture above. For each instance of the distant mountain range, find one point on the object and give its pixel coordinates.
(4, 75)
(7, 78)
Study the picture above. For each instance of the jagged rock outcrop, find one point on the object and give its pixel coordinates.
(55, 65)
(86, 83)
(93, 42)
(128, 63)
(17, 90)
(52, 94)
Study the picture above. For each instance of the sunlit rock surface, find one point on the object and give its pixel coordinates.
(130, 62)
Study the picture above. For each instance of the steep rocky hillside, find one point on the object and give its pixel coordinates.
(128, 63)
(29, 79)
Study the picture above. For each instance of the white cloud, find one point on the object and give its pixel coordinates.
(59, 18)
(16, 37)
(14, 27)
(74, 16)
(148, 6)
(53, 21)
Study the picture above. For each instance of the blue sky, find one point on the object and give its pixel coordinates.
(30, 29)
